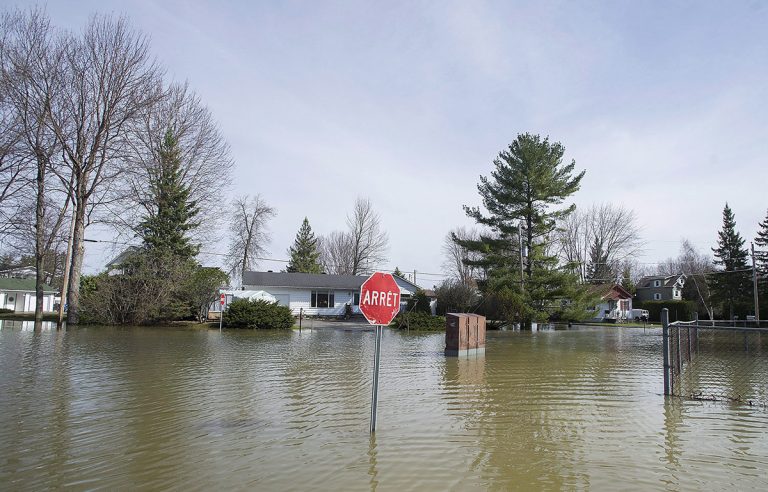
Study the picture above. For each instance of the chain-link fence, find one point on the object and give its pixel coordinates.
(716, 360)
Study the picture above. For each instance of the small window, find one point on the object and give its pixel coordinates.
(322, 299)
(657, 296)
(356, 300)
(657, 283)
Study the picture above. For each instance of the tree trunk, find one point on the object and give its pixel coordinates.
(78, 249)
(39, 244)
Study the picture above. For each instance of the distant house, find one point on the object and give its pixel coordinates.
(18, 295)
(115, 266)
(19, 272)
(615, 302)
(661, 288)
(24, 272)
(316, 294)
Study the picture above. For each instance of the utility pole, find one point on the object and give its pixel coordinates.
(754, 285)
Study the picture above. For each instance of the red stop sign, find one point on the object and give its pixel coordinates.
(379, 298)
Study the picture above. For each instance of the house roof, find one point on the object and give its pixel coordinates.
(22, 285)
(303, 280)
(22, 272)
(405, 284)
(666, 280)
(125, 255)
(611, 291)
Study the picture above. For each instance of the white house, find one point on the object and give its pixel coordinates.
(615, 303)
(314, 294)
(18, 295)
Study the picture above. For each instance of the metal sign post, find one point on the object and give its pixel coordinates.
(376, 364)
(379, 303)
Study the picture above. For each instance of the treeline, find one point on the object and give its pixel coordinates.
(532, 257)
(93, 132)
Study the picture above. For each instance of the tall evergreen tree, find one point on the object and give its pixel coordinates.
(761, 263)
(730, 284)
(520, 196)
(170, 211)
(761, 248)
(599, 270)
(304, 253)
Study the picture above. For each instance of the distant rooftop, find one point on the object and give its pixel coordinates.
(22, 285)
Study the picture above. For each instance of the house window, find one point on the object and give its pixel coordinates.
(657, 283)
(322, 299)
(356, 300)
(657, 297)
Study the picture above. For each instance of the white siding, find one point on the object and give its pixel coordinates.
(301, 299)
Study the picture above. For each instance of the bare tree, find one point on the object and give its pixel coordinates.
(369, 241)
(249, 234)
(359, 249)
(456, 256)
(108, 79)
(597, 240)
(335, 253)
(206, 163)
(30, 70)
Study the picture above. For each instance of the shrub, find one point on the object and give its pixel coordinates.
(455, 297)
(242, 313)
(419, 303)
(419, 321)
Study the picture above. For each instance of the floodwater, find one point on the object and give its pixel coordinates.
(106, 408)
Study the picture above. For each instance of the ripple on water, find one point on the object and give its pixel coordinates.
(104, 408)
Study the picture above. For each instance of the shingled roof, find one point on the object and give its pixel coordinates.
(22, 285)
(303, 280)
(666, 280)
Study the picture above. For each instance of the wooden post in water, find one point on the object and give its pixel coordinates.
(665, 350)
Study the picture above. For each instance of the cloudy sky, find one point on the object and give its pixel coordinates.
(407, 103)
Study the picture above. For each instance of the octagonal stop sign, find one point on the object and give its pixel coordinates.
(379, 298)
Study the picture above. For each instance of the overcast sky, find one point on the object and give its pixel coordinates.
(407, 103)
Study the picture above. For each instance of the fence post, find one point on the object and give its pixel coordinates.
(665, 350)
(696, 331)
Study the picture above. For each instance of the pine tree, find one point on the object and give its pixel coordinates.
(170, 211)
(520, 196)
(731, 283)
(761, 248)
(761, 264)
(398, 273)
(304, 254)
(599, 270)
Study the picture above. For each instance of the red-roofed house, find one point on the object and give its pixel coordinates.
(615, 303)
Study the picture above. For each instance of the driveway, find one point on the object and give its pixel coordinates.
(329, 324)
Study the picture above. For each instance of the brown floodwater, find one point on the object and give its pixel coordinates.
(106, 408)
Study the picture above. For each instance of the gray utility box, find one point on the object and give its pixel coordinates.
(464, 334)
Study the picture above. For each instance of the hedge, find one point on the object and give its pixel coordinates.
(419, 321)
(678, 310)
(242, 313)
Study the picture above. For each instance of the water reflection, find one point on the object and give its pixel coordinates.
(12, 324)
(553, 409)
